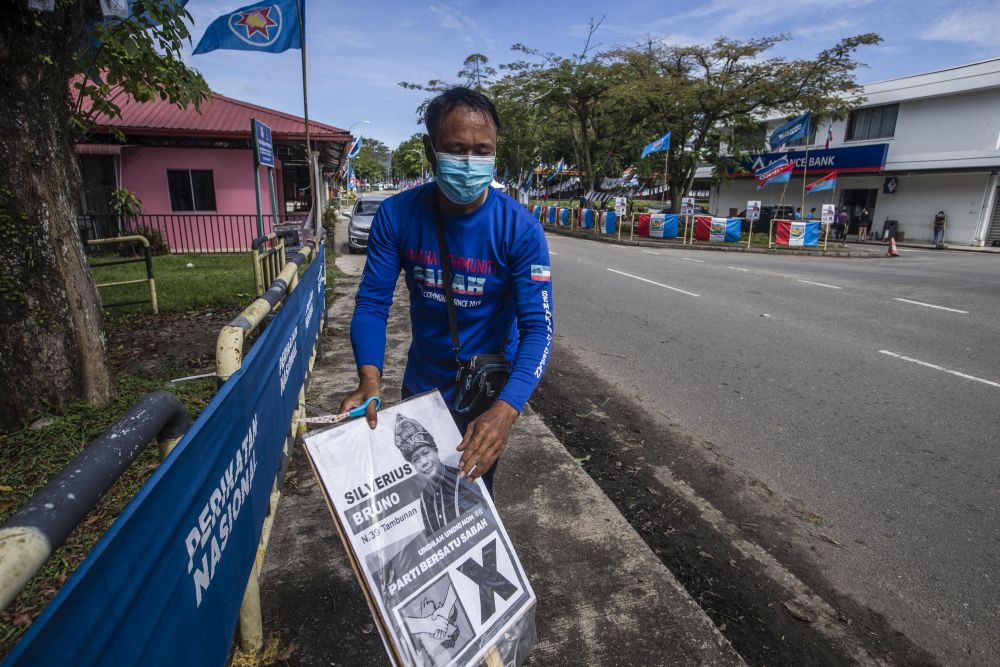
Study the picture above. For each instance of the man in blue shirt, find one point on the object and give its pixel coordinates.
(500, 279)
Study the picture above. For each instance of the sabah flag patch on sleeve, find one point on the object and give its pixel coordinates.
(540, 273)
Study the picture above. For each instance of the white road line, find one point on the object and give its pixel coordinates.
(652, 282)
(809, 282)
(931, 305)
(940, 368)
(650, 252)
(736, 268)
(701, 261)
(615, 245)
(553, 253)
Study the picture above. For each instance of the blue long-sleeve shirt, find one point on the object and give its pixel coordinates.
(501, 282)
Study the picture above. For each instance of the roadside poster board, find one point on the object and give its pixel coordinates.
(263, 147)
(753, 209)
(620, 205)
(829, 214)
(438, 569)
(687, 205)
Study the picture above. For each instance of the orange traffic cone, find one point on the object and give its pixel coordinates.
(892, 248)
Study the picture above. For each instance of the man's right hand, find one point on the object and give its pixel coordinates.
(370, 385)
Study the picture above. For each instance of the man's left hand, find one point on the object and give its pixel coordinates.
(485, 439)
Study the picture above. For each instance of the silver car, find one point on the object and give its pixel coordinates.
(361, 221)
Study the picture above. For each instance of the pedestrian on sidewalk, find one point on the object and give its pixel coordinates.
(939, 220)
(840, 224)
(864, 221)
(498, 260)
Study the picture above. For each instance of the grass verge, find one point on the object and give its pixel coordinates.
(184, 283)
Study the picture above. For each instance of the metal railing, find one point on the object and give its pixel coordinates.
(228, 359)
(42, 524)
(147, 257)
(188, 232)
(268, 254)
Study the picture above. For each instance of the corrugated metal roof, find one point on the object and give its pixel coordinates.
(219, 116)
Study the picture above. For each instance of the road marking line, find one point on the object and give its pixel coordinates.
(931, 305)
(651, 252)
(941, 368)
(693, 260)
(653, 282)
(736, 268)
(809, 282)
(553, 253)
(615, 245)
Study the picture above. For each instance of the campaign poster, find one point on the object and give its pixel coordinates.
(829, 213)
(687, 205)
(753, 210)
(439, 569)
(620, 204)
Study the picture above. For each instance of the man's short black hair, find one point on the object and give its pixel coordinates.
(447, 101)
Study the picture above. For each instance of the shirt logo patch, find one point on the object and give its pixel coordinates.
(540, 273)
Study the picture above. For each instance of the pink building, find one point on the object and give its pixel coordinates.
(193, 171)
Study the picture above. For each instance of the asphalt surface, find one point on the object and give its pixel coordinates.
(836, 383)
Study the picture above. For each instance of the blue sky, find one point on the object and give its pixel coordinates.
(358, 52)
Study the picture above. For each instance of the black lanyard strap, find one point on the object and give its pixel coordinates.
(456, 344)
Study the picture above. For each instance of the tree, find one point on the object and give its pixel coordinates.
(408, 159)
(574, 92)
(372, 162)
(708, 94)
(54, 345)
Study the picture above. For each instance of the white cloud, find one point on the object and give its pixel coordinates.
(976, 24)
(451, 19)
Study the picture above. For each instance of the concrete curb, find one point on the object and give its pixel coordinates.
(763, 251)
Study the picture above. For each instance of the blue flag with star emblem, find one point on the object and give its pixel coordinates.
(661, 144)
(271, 27)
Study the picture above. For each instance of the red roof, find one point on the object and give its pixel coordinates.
(219, 116)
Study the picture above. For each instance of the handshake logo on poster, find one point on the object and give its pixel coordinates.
(446, 583)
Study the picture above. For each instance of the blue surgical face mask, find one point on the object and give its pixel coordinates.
(462, 178)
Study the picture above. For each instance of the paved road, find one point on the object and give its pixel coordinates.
(867, 389)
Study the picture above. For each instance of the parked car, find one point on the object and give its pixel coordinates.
(698, 210)
(361, 221)
(767, 214)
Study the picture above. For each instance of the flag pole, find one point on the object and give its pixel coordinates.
(805, 177)
(314, 194)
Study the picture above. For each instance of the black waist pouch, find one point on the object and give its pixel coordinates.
(480, 380)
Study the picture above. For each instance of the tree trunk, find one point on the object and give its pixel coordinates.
(50, 314)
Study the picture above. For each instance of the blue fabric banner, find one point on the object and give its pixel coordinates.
(272, 27)
(587, 218)
(610, 222)
(165, 583)
(663, 225)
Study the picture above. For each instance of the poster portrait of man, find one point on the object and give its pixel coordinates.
(445, 496)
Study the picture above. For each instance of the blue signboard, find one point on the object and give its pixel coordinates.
(263, 147)
(165, 583)
(843, 160)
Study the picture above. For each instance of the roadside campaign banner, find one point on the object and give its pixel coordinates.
(164, 584)
(796, 233)
(707, 228)
(657, 225)
(438, 568)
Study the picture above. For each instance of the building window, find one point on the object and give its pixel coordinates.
(191, 189)
(872, 123)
